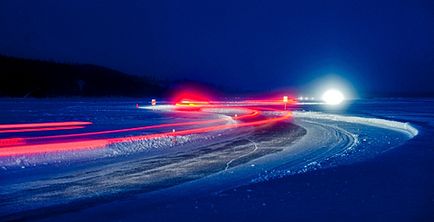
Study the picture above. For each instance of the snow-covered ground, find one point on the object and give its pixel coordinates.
(135, 168)
(388, 124)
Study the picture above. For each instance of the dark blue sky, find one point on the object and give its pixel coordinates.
(377, 46)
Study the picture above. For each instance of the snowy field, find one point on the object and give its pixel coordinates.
(205, 165)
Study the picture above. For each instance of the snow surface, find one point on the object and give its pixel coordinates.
(394, 125)
(331, 140)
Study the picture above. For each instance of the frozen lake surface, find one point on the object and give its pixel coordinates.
(372, 160)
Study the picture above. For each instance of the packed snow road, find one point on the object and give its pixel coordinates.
(227, 147)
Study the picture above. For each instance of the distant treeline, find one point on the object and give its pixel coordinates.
(34, 78)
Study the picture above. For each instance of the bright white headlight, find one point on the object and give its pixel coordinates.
(333, 97)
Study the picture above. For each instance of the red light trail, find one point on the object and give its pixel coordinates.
(166, 125)
(36, 125)
(41, 129)
(42, 144)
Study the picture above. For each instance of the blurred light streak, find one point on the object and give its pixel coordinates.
(32, 145)
(36, 125)
(41, 129)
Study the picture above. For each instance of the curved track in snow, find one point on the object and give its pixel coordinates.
(256, 151)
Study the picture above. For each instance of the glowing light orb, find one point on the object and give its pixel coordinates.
(333, 97)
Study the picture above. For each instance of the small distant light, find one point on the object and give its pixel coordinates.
(173, 130)
(285, 99)
(153, 102)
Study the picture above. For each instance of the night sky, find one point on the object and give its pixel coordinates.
(375, 47)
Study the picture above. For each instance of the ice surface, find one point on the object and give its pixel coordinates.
(331, 140)
(395, 125)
